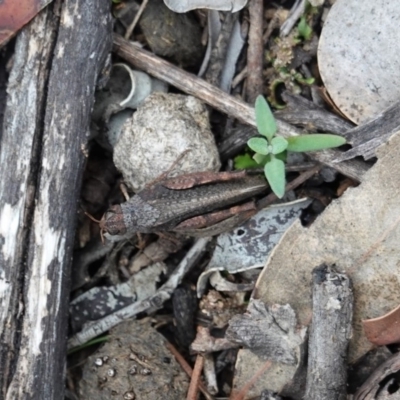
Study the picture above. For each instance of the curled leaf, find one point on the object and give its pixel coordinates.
(383, 330)
(265, 120)
(314, 142)
(275, 173)
(259, 145)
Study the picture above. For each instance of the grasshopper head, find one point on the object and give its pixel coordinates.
(113, 221)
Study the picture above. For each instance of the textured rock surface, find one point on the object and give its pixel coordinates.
(134, 363)
(164, 127)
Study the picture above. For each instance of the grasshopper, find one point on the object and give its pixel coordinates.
(184, 203)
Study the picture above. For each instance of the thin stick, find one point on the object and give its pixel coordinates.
(194, 383)
(241, 394)
(254, 83)
(187, 368)
(131, 27)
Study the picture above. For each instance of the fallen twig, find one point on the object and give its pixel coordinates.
(255, 51)
(187, 368)
(330, 335)
(196, 375)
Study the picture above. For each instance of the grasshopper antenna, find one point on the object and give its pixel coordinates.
(97, 222)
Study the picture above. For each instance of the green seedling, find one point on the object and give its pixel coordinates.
(304, 30)
(270, 149)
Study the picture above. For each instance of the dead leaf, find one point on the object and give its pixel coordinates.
(383, 330)
(358, 56)
(15, 14)
(248, 246)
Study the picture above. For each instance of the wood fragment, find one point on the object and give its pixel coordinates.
(295, 13)
(196, 375)
(255, 51)
(219, 50)
(43, 149)
(330, 335)
(371, 386)
(139, 13)
(223, 102)
(187, 368)
(210, 375)
(301, 112)
(367, 137)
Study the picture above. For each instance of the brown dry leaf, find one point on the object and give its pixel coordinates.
(359, 233)
(15, 14)
(383, 330)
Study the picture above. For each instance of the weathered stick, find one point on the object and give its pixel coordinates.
(17, 152)
(371, 386)
(330, 335)
(50, 96)
(255, 51)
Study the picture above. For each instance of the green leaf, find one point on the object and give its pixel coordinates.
(245, 161)
(259, 145)
(314, 142)
(261, 159)
(304, 29)
(275, 173)
(304, 81)
(279, 144)
(265, 120)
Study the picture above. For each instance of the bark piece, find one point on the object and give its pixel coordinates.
(41, 166)
(329, 335)
(16, 183)
(365, 366)
(367, 137)
(371, 386)
(184, 304)
(300, 111)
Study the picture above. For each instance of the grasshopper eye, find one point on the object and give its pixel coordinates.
(113, 222)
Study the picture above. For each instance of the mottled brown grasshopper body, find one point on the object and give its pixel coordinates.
(180, 203)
